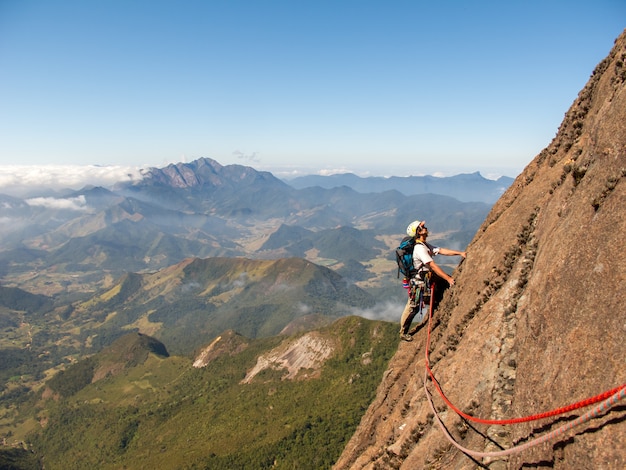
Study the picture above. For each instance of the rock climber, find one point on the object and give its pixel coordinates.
(423, 253)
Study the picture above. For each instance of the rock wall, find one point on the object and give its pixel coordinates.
(536, 320)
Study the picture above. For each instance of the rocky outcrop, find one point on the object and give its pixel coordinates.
(536, 320)
(229, 343)
(298, 357)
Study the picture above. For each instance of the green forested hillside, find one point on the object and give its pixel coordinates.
(181, 307)
(164, 413)
(200, 298)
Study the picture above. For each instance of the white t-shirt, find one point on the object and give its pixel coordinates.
(423, 254)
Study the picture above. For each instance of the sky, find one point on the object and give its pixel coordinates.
(377, 88)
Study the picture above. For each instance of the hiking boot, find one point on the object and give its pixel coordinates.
(406, 337)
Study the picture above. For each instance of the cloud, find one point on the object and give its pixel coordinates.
(23, 179)
(333, 171)
(253, 157)
(74, 203)
(190, 286)
(303, 308)
(10, 225)
(386, 311)
(288, 173)
(240, 281)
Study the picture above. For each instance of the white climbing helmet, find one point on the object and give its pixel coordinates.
(411, 230)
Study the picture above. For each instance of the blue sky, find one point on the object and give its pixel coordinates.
(374, 87)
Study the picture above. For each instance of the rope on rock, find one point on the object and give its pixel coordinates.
(594, 413)
(524, 419)
(608, 399)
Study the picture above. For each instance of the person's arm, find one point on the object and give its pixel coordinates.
(440, 272)
(449, 252)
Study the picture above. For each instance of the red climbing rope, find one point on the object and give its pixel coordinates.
(593, 413)
(583, 403)
(610, 399)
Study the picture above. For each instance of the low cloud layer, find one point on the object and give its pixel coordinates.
(386, 311)
(74, 203)
(22, 179)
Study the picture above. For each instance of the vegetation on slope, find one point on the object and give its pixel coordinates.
(166, 414)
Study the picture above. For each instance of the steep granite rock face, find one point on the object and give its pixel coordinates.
(536, 321)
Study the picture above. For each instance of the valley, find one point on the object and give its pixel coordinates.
(190, 264)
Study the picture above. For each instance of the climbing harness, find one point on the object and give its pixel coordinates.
(608, 399)
(420, 291)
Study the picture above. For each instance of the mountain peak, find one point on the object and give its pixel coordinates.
(228, 343)
(206, 172)
(127, 351)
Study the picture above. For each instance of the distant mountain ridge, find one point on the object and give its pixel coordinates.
(207, 172)
(464, 187)
(202, 209)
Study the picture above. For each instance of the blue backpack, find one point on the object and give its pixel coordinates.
(404, 257)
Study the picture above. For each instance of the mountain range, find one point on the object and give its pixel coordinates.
(81, 241)
(464, 187)
(192, 251)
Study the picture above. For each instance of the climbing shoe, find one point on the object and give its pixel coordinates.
(406, 337)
